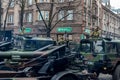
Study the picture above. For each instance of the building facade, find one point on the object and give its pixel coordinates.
(111, 24)
(71, 17)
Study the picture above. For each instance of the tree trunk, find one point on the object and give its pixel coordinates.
(4, 27)
(6, 15)
(22, 15)
(48, 32)
(50, 20)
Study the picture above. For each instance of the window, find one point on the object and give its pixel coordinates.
(70, 15)
(71, 0)
(111, 48)
(60, 0)
(61, 15)
(12, 4)
(98, 46)
(118, 46)
(29, 2)
(47, 0)
(40, 1)
(89, 3)
(85, 47)
(29, 17)
(10, 18)
(45, 15)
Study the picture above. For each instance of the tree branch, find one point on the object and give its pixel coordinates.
(55, 15)
(50, 14)
(60, 20)
(63, 18)
(41, 14)
(6, 15)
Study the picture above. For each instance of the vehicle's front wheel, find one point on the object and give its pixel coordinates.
(116, 75)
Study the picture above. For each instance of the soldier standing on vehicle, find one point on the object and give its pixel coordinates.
(95, 33)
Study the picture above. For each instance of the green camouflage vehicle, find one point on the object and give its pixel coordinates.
(101, 56)
(22, 49)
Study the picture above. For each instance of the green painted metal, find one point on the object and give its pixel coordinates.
(91, 58)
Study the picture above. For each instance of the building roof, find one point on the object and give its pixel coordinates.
(105, 8)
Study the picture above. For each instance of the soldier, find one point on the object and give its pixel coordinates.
(95, 32)
(61, 41)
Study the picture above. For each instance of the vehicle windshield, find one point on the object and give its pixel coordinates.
(98, 46)
(31, 44)
(88, 46)
(85, 47)
(112, 47)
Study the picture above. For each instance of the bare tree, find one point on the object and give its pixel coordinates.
(9, 3)
(22, 11)
(5, 20)
(49, 25)
(22, 6)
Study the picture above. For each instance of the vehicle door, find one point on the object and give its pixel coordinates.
(92, 51)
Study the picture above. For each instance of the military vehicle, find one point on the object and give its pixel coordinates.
(31, 43)
(94, 56)
(53, 63)
(101, 55)
(22, 43)
(21, 50)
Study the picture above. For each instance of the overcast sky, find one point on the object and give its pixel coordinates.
(115, 3)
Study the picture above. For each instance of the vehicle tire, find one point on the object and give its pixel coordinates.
(68, 77)
(116, 74)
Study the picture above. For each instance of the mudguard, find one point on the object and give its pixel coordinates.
(63, 73)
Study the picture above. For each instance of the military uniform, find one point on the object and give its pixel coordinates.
(61, 41)
(95, 33)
